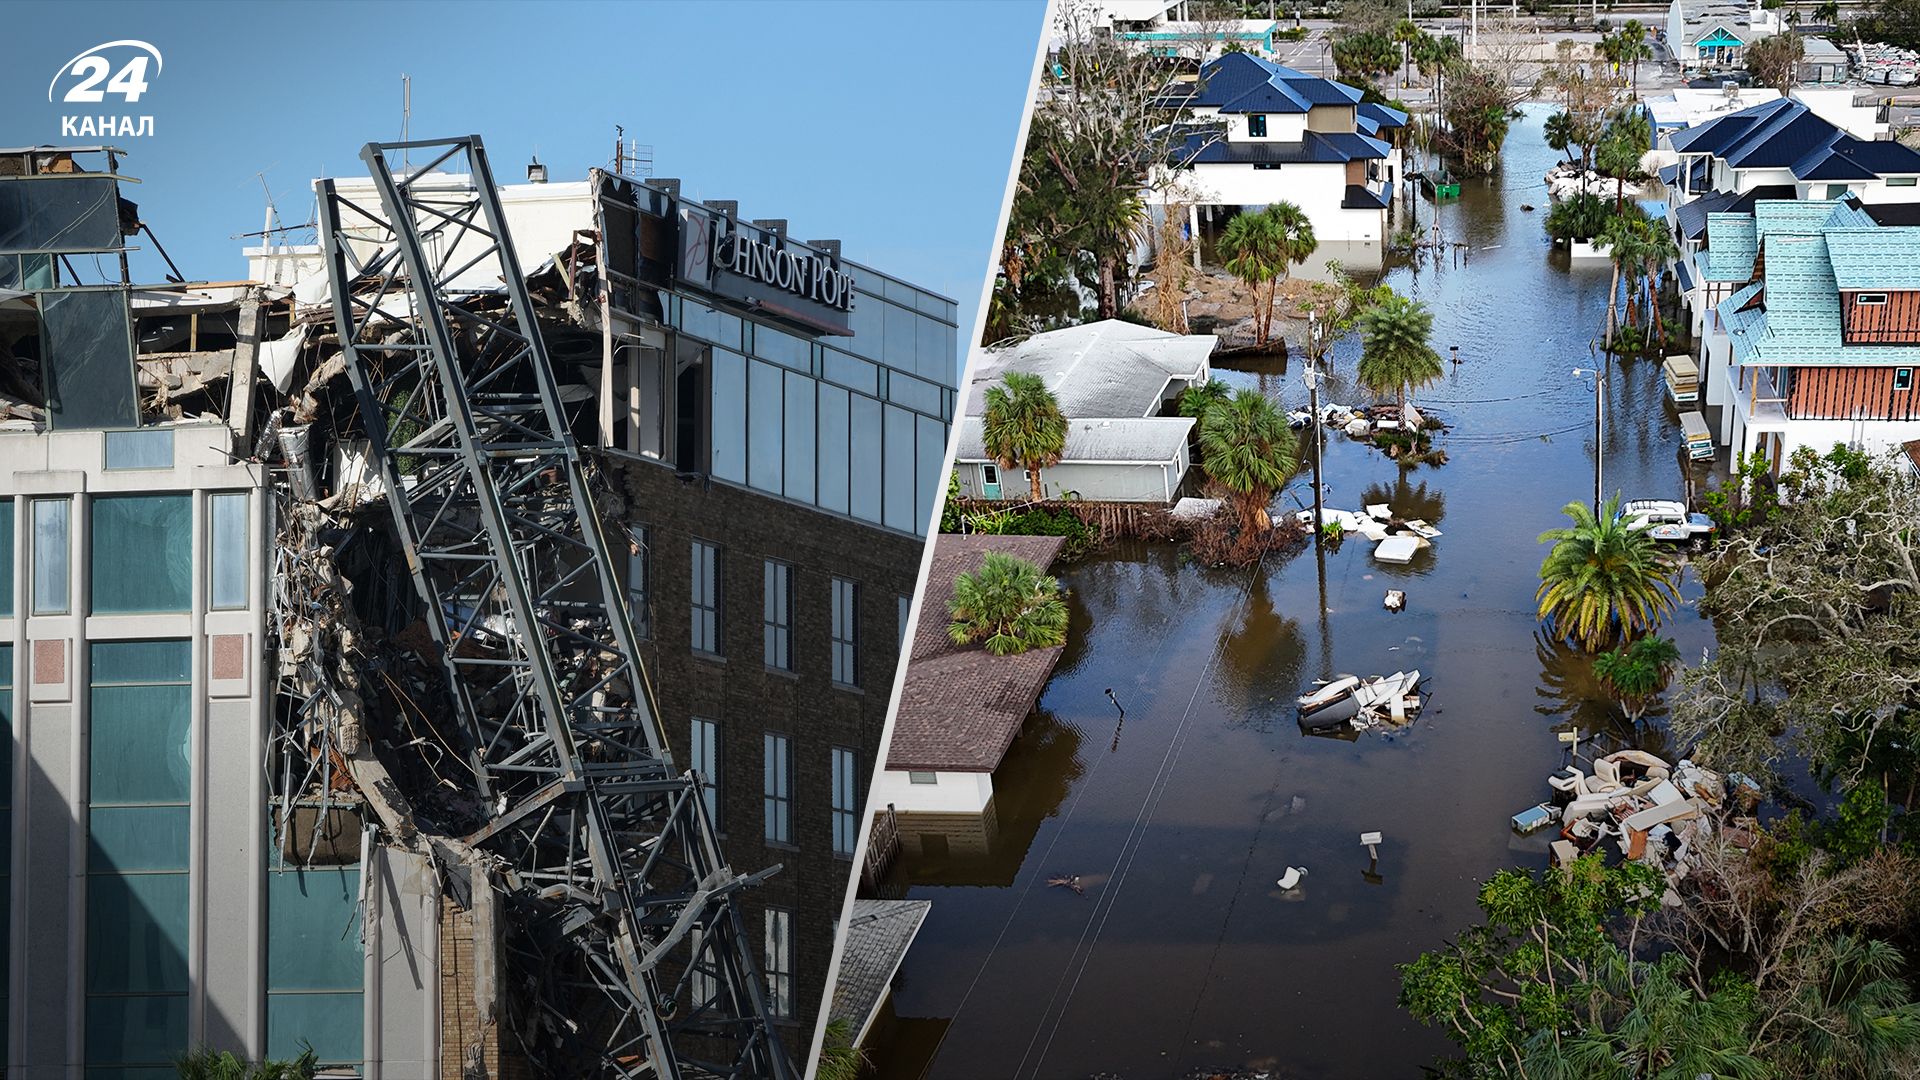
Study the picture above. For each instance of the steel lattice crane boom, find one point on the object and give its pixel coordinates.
(620, 906)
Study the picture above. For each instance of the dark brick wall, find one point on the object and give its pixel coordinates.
(749, 700)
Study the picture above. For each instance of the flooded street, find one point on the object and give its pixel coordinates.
(1183, 953)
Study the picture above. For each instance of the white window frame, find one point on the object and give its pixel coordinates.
(706, 761)
(708, 588)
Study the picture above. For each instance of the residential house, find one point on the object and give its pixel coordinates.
(1260, 133)
(1715, 34)
(1784, 148)
(1116, 382)
(960, 706)
(1822, 343)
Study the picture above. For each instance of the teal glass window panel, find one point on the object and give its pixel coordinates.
(139, 745)
(6, 568)
(136, 937)
(729, 416)
(227, 535)
(142, 553)
(330, 1023)
(134, 838)
(313, 929)
(145, 448)
(143, 1030)
(52, 553)
(141, 663)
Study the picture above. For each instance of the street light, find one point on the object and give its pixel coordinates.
(1312, 376)
(1599, 425)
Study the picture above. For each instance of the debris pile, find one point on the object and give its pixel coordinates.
(1396, 539)
(1884, 65)
(1638, 804)
(1564, 182)
(1353, 703)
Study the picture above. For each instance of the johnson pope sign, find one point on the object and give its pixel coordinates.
(799, 285)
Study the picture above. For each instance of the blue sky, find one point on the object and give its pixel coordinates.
(890, 125)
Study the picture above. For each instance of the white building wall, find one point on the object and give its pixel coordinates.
(950, 793)
(1317, 189)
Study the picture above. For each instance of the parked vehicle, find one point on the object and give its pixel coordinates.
(1667, 519)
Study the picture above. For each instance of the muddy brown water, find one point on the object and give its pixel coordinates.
(1182, 953)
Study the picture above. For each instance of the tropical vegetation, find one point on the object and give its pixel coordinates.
(1259, 248)
(1603, 581)
(1023, 426)
(1396, 356)
(1247, 449)
(205, 1064)
(1008, 605)
(1636, 673)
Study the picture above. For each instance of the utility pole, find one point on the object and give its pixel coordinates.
(1599, 424)
(1313, 406)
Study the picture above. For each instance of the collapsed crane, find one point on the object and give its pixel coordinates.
(618, 906)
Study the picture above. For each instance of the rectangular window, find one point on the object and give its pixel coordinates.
(6, 782)
(1870, 299)
(1257, 125)
(702, 982)
(923, 778)
(778, 768)
(145, 448)
(6, 556)
(846, 800)
(990, 474)
(846, 632)
(766, 431)
(706, 597)
(1902, 181)
(52, 557)
(640, 579)
(142, 548)
(139, 783)
(227, 569)
(315, 964)
(1903, 378)
(777, 622)
(706, 765)
(780, 962)
(906, 612)
(88, 367)
(1836, 191)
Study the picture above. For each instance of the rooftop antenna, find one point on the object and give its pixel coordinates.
(273, 214)
(630, 153)
(406, 114)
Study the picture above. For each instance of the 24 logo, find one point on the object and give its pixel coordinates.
(90, 69)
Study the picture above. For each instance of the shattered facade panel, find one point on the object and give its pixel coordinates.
(274, 562)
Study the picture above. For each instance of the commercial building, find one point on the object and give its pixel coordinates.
(1117, 382)
(1261, 133)
(1715, 34)
(202, 575)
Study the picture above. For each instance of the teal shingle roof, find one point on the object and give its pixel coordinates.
(1791, 215)
(1731, 247)
(1875, 258)
(1799, 320)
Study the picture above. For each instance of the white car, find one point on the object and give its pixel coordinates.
(1667, 519)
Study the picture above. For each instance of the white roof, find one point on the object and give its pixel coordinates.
(1147, 440)
(1100, 370)
(1112, 11)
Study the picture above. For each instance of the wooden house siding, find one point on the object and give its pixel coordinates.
(1896, 322)
(1849, 393)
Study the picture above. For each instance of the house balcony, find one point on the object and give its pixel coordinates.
(1755, 408)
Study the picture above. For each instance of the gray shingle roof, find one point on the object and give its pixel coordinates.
(960, 707)
(1096, 370)
(875, 941)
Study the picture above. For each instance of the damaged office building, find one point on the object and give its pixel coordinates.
(463, 666)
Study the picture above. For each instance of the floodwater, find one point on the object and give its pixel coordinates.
(1182, 953)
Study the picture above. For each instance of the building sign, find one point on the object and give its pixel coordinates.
(800, 286)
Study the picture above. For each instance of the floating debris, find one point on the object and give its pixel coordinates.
(1067, 881)
(1360, 704)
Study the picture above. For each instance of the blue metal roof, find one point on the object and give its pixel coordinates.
(1362, 197)
(1785, 134)
(1315, 147)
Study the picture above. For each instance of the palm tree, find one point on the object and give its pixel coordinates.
(839, 1058)
(1828, 12)
(1602, 579)
(1621, 240)
(1636, 672)
(1247, 448)
(1854, 1013)
(205, 1064)
(1260, 247)
(1407, 34)
(1657, 249)
(1008, 605)
(1633, 48)
(1196, 400)
(1023, 426)
(1395, 355)
(1561, 133)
